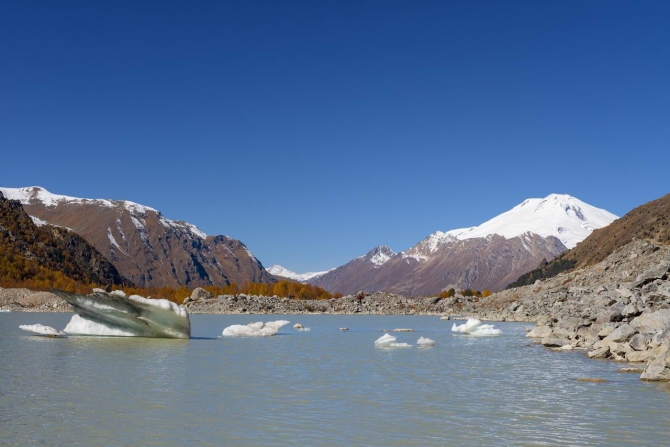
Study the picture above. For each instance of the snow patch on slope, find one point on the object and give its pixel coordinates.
(138, 213)
(301, 277)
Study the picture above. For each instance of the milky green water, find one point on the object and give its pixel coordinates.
(318, 388)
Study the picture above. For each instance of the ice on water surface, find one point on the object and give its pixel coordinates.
(425, 342)
(389, 341)
(257, 329)
(40, 329)
(475, 327)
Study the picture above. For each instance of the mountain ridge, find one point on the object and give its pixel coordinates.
(145, 246)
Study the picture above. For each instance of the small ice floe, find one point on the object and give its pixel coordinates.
(475, 327)
(4, 310)
(258, 329)
(300, 327)
(389, 341)
(40, 329)
(424, 342)
(403, 330)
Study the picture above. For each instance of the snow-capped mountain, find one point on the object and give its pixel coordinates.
(278, 270)
(560, 215)
(145, 246)
(488, 256)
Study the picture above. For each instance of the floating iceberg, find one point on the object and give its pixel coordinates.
(424, 342)
(258, 329)
(389, 341)
(41, 329)
(475, 327)
(114, 314)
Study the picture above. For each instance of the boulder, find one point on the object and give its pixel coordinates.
(540, 332)
(653, 322)
(606, 330)
(555, 342)
(658, 368)
(659, 271)
(621, 334)
(638, 342)
(640, 356)
(600, 353)
(199, 294)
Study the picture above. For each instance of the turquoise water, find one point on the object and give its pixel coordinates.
(322, 387)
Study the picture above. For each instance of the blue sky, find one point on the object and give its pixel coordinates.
(314, 131)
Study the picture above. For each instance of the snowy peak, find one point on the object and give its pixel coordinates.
(278, 270)
(560, 215)
(379, 255)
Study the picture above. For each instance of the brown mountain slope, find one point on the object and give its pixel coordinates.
(29, 252)
(145, 246)
(650, 221)
(426, 269)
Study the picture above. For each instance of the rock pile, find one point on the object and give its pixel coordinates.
(378, 303)
(611, 310)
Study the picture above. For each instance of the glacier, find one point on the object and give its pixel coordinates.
(114, 314)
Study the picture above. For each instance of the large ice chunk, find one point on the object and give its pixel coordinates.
(103, 313)
(475, 327)
(258, 329)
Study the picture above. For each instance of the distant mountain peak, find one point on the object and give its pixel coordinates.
(278, 270)
(560, 215)
(379, 255)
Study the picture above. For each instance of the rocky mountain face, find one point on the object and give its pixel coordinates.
(26, 248)
(145, 246)
(430, 266)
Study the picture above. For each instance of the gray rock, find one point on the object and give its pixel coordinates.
(600, 353)
(199, 294)
(607, 329)
(554, 342)
(653, 322)
(540, 332)
(640, 356)
(638, 342)
(621, 334)
(658, 368)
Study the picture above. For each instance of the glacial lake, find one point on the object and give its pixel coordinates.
(318, 388)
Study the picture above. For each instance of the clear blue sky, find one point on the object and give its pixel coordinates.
(314, 131)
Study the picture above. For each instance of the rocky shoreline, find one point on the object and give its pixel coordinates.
(618, 309)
